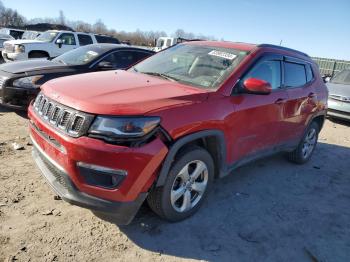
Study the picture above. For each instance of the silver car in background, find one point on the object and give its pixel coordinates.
(339, 95)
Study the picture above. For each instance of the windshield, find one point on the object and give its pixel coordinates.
(80, 56)
(30, 35)
(201, 66)
(342, 78)
(47, 36)
(5, 36)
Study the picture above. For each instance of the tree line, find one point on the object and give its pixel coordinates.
(11, 18)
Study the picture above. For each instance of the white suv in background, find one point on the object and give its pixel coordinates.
(50, 44)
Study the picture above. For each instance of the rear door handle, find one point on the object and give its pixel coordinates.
(280, 101)
(311, 95)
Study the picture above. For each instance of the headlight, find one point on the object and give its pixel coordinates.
(27, 82)
(120, 128)
(19, 49)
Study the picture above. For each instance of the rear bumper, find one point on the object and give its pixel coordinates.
(122, 213)
(338, 114)
(338, 109)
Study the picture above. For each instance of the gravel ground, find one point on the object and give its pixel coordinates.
(270, 210)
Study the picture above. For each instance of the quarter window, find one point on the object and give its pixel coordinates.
(67, 39)
(294, 74)
(84, 39)
(268, 70)
(309, 73)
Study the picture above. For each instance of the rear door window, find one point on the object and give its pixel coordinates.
(84, 39)
(294, 74)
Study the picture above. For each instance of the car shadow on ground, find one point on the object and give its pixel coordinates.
(339, 121)
(20, 113)
(268, 210)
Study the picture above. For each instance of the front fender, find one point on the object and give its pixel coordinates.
(175, 147)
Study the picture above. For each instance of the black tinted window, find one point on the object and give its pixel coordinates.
(309, 73)
(106, 39)
(140, 56)
(294, 74)
(16, 34)
(269, 71)
(84, 39)
(121, 59)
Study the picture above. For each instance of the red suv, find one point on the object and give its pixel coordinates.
(166, 128)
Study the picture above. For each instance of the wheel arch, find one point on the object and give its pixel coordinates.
(211, 140)
(319, 119)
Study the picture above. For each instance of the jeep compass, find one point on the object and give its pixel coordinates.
(167, 128)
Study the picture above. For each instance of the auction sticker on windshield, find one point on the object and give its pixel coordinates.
(222, 54)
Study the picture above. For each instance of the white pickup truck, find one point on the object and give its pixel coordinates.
(50, 44)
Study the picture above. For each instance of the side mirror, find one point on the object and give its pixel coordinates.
(59, 42)
(257, 86)
(105, 65)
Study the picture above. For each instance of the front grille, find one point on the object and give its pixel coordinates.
(66, 119)
(58, 174)
(9, 48)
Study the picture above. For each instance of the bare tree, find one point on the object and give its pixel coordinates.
(99, 27)
(62, 18)
(9, 17)
(81, 26)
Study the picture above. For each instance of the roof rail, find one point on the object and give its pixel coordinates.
(283, 48)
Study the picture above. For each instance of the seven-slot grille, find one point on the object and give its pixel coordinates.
(66, 119)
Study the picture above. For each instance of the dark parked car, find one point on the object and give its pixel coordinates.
(339, 95)
(20, 81)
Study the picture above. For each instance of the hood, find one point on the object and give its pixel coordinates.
(338, 89)
(120, 93)
(23, 41)
(30, 65)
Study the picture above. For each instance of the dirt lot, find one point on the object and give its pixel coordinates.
(271, 210)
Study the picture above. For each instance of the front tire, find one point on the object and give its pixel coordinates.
(307, 145)
(186, 186)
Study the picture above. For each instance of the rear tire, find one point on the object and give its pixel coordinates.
(186, 186)
(307, 145)
(38, 55)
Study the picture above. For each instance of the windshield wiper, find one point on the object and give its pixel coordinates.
(161, 75)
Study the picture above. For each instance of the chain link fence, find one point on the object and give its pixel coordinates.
(331, 66)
